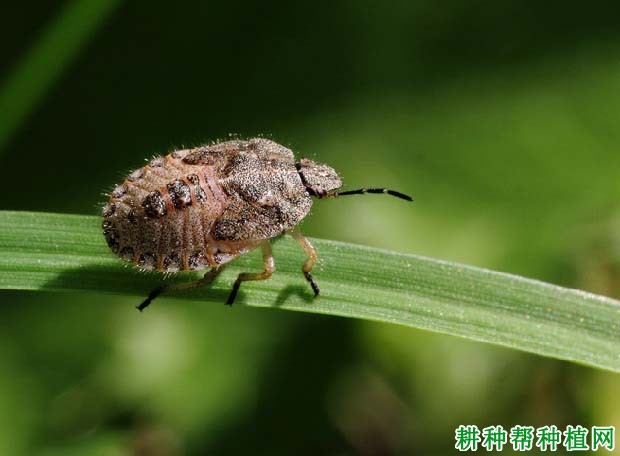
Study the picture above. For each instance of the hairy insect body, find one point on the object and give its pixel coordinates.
(200, 208)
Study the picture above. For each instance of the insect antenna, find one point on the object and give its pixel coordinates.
(361, 191)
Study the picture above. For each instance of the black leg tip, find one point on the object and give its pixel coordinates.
(313, 284)
(233, 294)
(152, 295)
(145, 303)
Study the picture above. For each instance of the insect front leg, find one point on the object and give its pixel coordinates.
(312, 257)
(208, 278)
(269, 268)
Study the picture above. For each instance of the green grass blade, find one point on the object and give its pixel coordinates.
(59, 252)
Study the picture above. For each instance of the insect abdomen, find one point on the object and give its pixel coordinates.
(161, 216)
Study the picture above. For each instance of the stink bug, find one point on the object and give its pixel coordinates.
(198, 209)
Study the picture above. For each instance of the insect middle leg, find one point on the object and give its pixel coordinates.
(312, 257)
(269, 268)
(208, 278)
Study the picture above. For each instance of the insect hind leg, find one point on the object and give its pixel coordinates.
(309, 263)
(208, 278)
(269, 269)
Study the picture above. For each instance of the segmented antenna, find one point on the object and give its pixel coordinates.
(361, 191)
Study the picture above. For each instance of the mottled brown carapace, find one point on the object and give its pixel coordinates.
(200, 208)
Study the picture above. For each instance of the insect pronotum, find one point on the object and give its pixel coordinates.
(198, 209)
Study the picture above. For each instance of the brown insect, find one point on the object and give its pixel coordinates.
(200, 208)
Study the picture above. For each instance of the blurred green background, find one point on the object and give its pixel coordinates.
(501, 118)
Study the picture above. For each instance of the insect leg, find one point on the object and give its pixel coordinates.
(208, 278)
(268, 264)
(309, 263)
